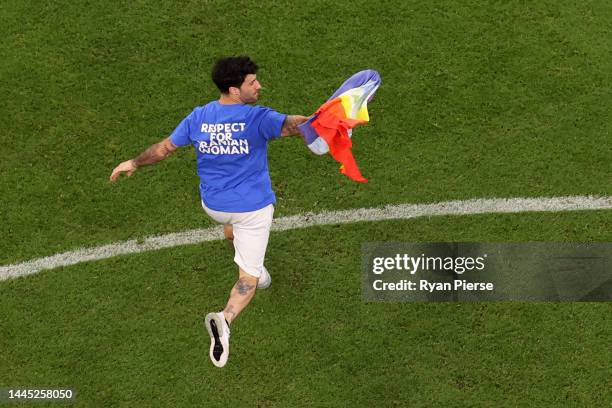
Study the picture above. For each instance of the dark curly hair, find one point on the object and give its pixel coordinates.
(231, 71)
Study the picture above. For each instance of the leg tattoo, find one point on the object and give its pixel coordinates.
(243, 286)
(240, 296)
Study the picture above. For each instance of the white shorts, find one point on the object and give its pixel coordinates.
(251, 233)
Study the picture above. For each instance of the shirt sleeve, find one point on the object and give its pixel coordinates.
(180, 136)
(271, 123)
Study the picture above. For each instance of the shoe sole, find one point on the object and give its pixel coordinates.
(212, 323)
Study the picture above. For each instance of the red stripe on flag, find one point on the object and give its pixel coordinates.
(332, 125)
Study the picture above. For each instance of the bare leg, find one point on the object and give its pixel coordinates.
(228, 231)
(240, 296)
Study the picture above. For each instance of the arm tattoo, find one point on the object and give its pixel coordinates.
(290, 126)
(243, 287)
(153, 154)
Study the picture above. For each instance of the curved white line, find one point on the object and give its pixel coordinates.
(389, 212)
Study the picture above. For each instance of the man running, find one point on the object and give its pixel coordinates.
(231, 140)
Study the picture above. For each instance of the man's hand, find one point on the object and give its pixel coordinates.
(127, 167)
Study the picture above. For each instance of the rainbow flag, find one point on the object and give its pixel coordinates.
(330, 129)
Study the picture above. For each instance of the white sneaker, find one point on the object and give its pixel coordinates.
(265, 280)
(219, 333)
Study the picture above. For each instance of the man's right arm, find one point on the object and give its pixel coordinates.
(157, 152)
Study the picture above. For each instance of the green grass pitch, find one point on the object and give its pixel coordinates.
(479, 99)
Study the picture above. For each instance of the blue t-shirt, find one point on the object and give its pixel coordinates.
(231, 143)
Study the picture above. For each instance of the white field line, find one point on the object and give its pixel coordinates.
(389, 212)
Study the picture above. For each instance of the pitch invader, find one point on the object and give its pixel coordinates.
(235, 186)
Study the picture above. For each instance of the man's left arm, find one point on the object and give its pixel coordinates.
(291, 123)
